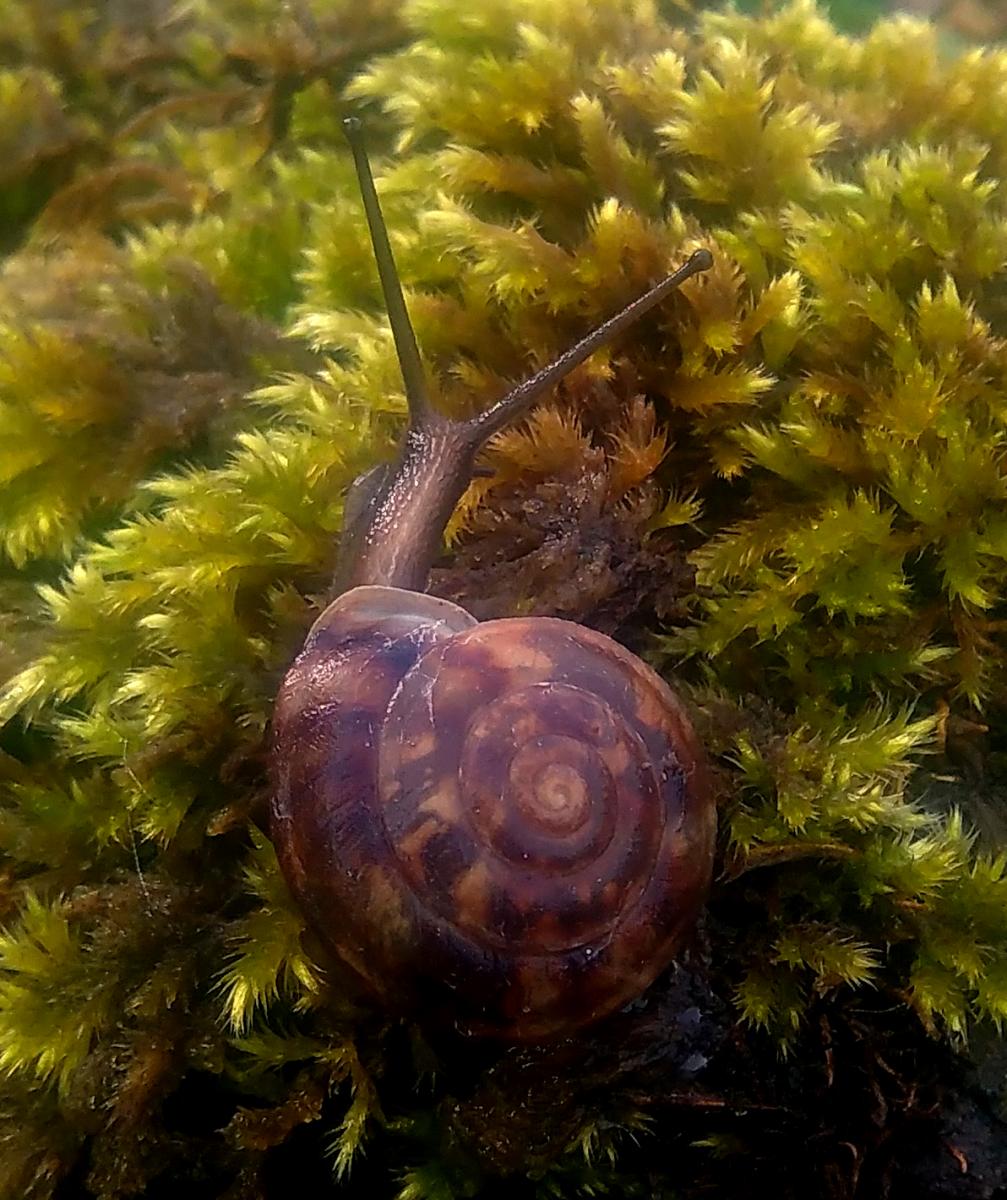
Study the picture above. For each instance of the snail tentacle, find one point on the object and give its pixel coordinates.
(408, 352)
(396, 539)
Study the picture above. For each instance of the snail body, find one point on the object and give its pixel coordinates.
(507, 823)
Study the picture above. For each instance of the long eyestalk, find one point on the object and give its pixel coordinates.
(399, 517)
(519, 399)
(398, 315)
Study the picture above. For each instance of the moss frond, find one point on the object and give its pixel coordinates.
(268, 957)
(52, 1001)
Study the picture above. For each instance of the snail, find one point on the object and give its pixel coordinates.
(507, 822)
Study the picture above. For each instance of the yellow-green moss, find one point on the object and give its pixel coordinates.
(816, 427)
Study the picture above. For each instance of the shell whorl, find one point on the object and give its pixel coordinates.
(510, 817)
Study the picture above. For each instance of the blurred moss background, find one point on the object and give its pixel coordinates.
(958, 19)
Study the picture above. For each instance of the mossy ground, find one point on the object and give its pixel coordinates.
(786, 488)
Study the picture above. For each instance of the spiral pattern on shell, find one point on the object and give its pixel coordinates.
(508, 819)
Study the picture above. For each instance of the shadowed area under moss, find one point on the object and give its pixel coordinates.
(785, 487)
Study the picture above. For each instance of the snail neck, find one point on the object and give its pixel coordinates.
(396, 519)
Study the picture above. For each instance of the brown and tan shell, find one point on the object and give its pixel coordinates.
(508, 823)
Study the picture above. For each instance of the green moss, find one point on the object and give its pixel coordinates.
(786, 486)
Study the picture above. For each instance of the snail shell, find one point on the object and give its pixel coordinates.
(508, 822)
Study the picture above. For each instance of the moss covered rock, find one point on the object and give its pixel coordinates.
(786, 487)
